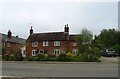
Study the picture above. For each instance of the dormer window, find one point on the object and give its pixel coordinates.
(34, 44)
(56, 43)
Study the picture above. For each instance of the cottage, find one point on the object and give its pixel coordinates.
(12, 45)
(51, 43)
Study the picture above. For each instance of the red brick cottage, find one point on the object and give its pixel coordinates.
(12, 45)
(52, 43)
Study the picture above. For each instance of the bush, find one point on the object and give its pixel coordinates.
(117, 48)
(96, 51)
(84, 57)
(12, 58)
(63, 57)
(54, 59)
(93, 58)
(5, 57)
(34, 58)
(69, 54)
(40, 57)
(76, 59)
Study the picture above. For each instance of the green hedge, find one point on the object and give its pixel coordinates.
(68, 57)
(12, 58)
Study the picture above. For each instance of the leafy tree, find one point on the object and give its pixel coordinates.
(84, 41)
(107, 38)
(87, 50)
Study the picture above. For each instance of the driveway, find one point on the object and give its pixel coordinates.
(109, 59)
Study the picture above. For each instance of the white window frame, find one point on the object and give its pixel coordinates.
(74, 44)
(74, 51)
(56, 43)
(45, 43)
(34, 44)
(56, 51)
(34, 52)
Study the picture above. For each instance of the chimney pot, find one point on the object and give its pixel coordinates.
(67, 25)
(9, 34)
(66, 29)
(31, 31)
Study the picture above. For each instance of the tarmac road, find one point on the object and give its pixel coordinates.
(38, 69)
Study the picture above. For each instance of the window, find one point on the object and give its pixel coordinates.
(45, 43)
(56, 43)
(41, 51)
(74, 51)
(56, 52)
(33, 52)
(34, 44)
(74, 44)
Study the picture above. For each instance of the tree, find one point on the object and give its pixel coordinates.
(87, 51)
(108, 38)
(84, 41)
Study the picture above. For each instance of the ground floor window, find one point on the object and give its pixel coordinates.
(41, 51)
(74, 51)
(57, 52)
(34, 52)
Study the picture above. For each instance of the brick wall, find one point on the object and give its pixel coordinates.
(10, 48)
(65, 46)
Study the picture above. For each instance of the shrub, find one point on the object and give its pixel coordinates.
(69, 54)
(117, 48)
(46, 55)
(40, 57)
(96, 51)
(50, 55)
(54, 59)
(34, 58)
(93, 58)
(63, 57)
(84, 57)
(76, 59)
(5, 57)
(12, 58)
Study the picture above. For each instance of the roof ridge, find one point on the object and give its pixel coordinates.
(14, 36)
(48, 32)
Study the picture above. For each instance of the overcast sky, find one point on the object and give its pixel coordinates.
(52, 16)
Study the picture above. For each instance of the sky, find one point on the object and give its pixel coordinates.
(51, 16)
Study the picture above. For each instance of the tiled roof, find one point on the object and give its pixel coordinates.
(51, 36)
(73, 37)
(12, 39)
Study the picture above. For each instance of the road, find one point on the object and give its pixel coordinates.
(37, 69)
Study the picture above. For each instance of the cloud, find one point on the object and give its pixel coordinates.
(53, 16)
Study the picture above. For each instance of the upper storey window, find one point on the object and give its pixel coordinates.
(34, 44)
(56, 43)
(45, 43)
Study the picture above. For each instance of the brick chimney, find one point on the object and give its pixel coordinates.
(66, 29)
(31, 31)
(9, 34)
